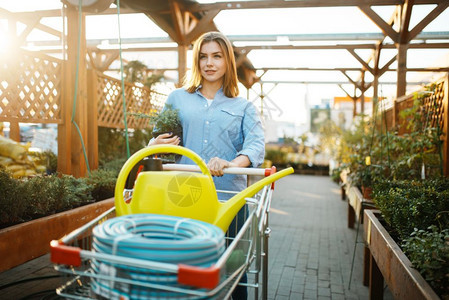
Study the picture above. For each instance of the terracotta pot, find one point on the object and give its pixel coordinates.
(367, 192)
(23, 242)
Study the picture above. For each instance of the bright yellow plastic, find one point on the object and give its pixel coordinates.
(182, 194)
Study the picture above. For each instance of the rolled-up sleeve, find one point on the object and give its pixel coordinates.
(253, 136)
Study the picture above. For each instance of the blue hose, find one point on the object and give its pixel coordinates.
(159, 238)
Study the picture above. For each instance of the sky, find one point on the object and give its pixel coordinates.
(285, 101)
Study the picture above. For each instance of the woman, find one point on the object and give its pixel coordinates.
(224, 129)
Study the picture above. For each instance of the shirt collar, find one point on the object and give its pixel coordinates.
(219, 92)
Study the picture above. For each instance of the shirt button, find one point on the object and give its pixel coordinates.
(205, 105)
(207, 122)
(205, 141)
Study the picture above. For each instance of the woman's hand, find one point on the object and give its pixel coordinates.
(165, 139)
(216, 166)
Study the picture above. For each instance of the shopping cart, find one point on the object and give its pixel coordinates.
(246, 250)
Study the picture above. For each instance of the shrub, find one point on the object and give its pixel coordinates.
(12, 205)
(428, 250)
(52, 194)
(103, 184)
(406, 205)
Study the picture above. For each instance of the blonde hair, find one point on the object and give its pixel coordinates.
(230, 88)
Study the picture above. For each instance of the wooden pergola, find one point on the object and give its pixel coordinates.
(185, 20)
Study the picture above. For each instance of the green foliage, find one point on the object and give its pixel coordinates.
(23, 200)
(114, 165)
(47, 159)
(330, 134)
(428, 250)
(406, 205)
(52, 194)
(112, 143)
(134, 71)
(165, 121)
(137, 71)
(103, 183)
(12, 205)
(276, 156)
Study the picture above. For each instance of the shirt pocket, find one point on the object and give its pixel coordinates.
(232, 124)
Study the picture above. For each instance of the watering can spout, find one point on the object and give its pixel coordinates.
(233, 205)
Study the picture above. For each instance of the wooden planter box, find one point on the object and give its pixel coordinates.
(23, 242)
(389, 263)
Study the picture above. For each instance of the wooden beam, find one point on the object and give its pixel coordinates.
(204, 24)
(178, 20)
(427, 19)
(30, 26)
(196, 7)
(387, 65)
(164, 25)
(384, 26)
(241, 59)
(360, 60)
(190, 21)
(406, 13)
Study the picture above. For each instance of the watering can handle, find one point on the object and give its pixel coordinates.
(233, 170)
(139, 155)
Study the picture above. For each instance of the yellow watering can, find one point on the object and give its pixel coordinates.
(178, 193)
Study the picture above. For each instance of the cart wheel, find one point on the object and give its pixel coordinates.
(138, 156)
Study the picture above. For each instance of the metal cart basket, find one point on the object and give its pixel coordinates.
(88, 274)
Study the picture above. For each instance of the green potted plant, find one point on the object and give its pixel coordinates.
(166, 121)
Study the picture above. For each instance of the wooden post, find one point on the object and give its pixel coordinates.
(362, 96)
(70, 150)
(366, 265)
(402, 70)
(14, 131)
(445, 130)
(92, 118)
(376, 281)
(351, 216)
(182, 63)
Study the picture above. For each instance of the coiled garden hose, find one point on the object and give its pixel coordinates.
(158, 238)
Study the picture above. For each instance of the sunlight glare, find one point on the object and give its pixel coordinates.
(4, 42)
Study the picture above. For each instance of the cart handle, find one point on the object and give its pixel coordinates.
(232, 170)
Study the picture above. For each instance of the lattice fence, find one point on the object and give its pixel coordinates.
(433, 107)
(30, 88)
(138, 100)
(434, 112)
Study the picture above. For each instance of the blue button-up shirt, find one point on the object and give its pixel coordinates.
(229, 127)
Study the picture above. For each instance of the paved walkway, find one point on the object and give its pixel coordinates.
(310, 248)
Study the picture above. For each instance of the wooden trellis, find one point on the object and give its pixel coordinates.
(138, 100)
(30, 88)
(31, 91)
(435, 112)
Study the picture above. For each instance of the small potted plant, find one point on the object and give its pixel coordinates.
(166, 121)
